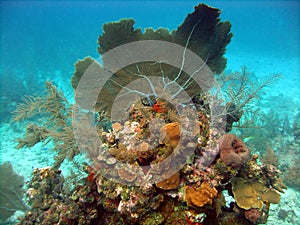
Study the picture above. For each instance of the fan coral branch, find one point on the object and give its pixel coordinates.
(183, 58)
(11, 192)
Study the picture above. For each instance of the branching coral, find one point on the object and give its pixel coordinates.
(269, 157)
(55, 112)
(242, 91)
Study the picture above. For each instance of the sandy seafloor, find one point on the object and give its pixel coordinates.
(245, 49)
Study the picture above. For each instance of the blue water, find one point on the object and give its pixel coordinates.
(51, 36)
(42, 40)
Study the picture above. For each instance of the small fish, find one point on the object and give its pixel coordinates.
(248, 139)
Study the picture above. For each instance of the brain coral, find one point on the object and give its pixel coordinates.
(233, 151)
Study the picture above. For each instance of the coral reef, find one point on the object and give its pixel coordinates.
(50, 204)
(194, 193)
(97, 199)
(165, 162)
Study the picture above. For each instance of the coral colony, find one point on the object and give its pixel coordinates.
(166, 162)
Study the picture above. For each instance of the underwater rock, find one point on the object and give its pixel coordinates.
(233, 151)
(201, 196)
